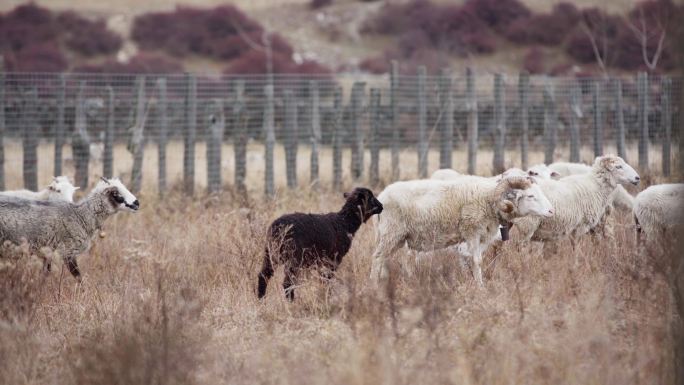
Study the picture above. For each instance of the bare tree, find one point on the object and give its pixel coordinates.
(264, 47)
(596, 31)
(643, 35)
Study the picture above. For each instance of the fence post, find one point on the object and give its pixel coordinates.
(217, 124)
(575, 116)
(447, 120)
(550, 121)
(524, 99)
(80, 142)
(59, 126)
(108, 153)
(598, 118)
(338, 127)
(667, 124)
(499, 165)
(356, 131)
(422, 123)
(189, 135)
(163, 134)
(642, 90)
(394, 107)
(619, 118)
(240, 136)
(291, 138)
(136, 143)
(471, 107)
(30, 140)
(315, 132)
(375, 123)
(2, 124)
(269, 148)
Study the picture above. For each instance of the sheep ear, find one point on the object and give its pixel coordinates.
(506, 206)
(555, 174)
(51, 188)
(346, 195)
(532, 180)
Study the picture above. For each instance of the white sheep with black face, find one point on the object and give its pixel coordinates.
(433, 214)
(64, 227)
(60, 189)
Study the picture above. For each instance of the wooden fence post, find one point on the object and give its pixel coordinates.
(498, 163)
(217, 125)
(524, 100)
(575, 116)
(163, 134)
(550, 121)
(598, 118)
(315, 132)
(136, 142)
(338, 134)
(189, 135)
(356, 131)
(667, 124)
(269, 148)
(422, 124)
(642, 90)
(80, 142)
(2, 124)
(30, 140)
(447, 119)
(291, 138)
(108, 153)
(394, 107)
(59, 125)
(240, 136)
(471, 107)
(374, 139)
(619, 118)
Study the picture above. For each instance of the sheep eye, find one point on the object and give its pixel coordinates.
(618, 167)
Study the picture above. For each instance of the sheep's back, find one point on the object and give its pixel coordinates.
(310, 236)
(660, 206)
(39, 222)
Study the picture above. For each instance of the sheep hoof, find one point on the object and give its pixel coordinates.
(102, 234)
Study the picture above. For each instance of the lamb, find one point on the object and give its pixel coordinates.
(659, 212)
(60, 189)
(620, 198)
(434, 214)
(301, 240)
(66, 228)
(580, 201)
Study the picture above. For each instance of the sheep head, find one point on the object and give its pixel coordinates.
(520, 197)
(364, 201)
(118, 196)
(616, 169)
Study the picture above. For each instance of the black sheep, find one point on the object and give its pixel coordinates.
(301, 240)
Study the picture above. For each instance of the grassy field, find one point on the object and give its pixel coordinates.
(168, 297)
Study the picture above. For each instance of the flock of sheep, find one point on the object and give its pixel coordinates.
(464, 213)
(467, 213)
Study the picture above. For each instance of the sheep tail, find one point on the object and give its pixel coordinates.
(265, 274)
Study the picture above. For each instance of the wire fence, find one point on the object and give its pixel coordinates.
(448, 120)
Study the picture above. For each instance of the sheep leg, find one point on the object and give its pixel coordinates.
(73, 267)
(288, 283)
(386, 246)
(476, 252)
(265, 274)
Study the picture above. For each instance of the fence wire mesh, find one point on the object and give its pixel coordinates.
(516, 119)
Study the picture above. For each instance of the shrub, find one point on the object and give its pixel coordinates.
(603, 28)
(41, 58)
(545, 29)
(534, 61)
(25, 26)
(141, 63)
(88, 37)
(498, 14)
(376, 65)
(315, 4)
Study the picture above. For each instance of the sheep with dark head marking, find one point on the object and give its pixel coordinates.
(301, 240)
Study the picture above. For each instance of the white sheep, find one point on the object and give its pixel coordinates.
(64, 227)
(580, 201)
(60, 189)
(433, 214)
(659, 211)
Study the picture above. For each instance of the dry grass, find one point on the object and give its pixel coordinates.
(168, 297)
